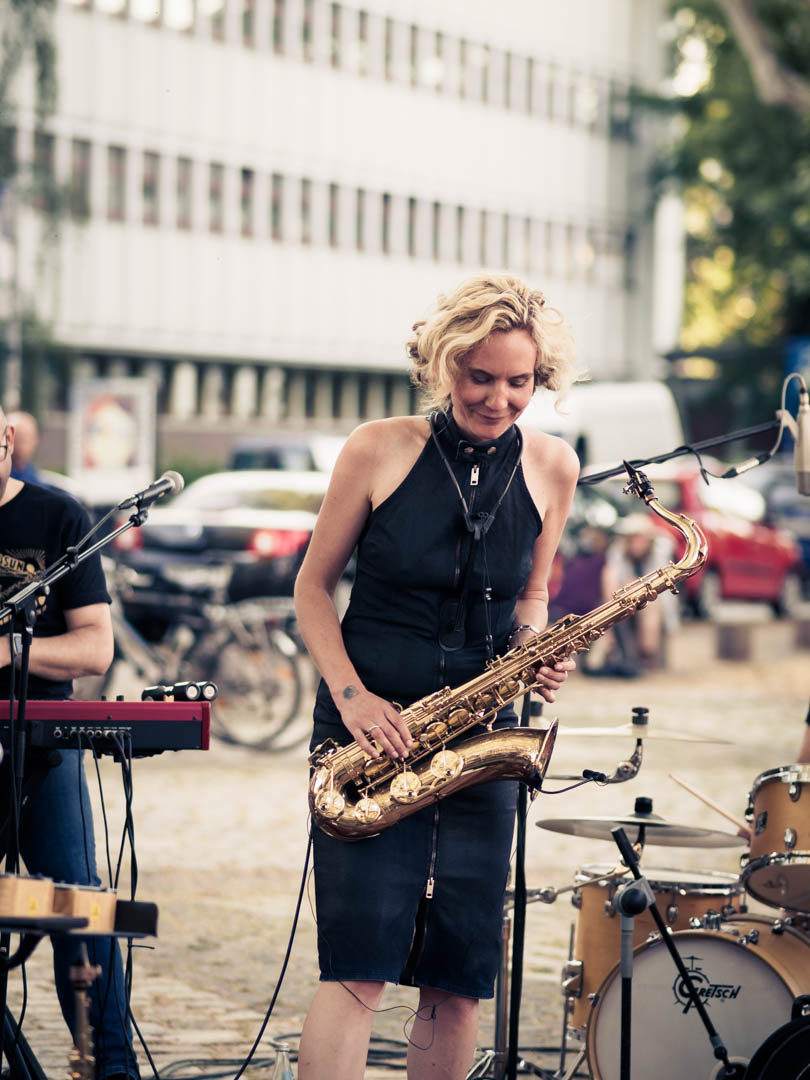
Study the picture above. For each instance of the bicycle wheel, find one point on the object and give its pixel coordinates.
(257, 674)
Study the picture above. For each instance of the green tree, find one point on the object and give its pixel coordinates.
(742, 156)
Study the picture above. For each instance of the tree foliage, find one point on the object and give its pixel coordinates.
(743, 158)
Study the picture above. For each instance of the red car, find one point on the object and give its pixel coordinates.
(747, 559)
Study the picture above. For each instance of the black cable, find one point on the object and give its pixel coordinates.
(287, 955)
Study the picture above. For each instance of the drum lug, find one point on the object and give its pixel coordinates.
(790, 838)
(672, 913)
(794, 791)
(751, 938)
(571, 981)
(576, 899)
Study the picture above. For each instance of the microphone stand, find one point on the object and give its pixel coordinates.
(21, 612)
(688, 448)
(639, 892)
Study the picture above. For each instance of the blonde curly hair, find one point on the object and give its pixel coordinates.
(482, 305)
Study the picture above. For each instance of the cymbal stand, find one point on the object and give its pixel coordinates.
(636, 890)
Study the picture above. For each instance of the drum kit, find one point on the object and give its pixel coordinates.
(749, 970)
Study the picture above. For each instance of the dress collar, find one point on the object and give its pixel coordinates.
(464, 450)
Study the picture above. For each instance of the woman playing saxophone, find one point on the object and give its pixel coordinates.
(456, 517)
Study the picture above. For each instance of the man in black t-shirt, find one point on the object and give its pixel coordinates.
(72, 637)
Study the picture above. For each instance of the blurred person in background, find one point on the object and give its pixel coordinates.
(421, 903)
(72, 637)
(26, 441)
(638, 549)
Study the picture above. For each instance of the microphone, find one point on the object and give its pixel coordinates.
(169, 484)
(801, 451)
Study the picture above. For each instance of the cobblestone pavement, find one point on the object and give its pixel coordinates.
(221, 842)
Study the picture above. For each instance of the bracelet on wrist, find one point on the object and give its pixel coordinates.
(524, 626)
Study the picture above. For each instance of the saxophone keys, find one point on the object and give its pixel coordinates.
(405, 787)
(437, 730)
(330, 804)
(446, 765)
(367, 810)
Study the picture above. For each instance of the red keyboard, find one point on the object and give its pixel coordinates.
(136, 727)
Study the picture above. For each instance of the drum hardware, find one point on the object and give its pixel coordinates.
(776, 868)
(688, 897)
(785, 1053)
(649, 828)
(636, 896)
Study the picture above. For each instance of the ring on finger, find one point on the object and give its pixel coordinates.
(374, 727)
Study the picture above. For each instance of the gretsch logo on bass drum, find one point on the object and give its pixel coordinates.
(707, 990)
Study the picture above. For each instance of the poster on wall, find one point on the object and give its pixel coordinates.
(111, 437)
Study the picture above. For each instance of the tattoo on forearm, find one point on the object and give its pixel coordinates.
(350, 692)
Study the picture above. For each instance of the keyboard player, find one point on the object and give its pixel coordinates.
(72, 637)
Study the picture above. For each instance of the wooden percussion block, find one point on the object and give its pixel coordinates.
(87, 902)
(26, 897)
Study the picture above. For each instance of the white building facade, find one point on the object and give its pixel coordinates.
(264, 195)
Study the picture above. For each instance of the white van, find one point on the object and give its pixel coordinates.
(607, 422)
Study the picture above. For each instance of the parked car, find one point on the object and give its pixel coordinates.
(784, 506)
(300, 452)
(246, 530)
(748, 558)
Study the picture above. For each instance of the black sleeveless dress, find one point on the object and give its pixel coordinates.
(421, 903)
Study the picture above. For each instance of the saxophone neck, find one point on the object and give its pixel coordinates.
(694, 555)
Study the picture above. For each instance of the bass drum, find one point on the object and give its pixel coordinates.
(747, 974)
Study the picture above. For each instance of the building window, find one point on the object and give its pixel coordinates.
(483, 226)
(249, 23)
(246, 188)
(436, 231)
(80, 178)
(505, 245)
(413, 55)
(334, 36)
(150, 188)
(411, 227)
(462, 69)
(116, 182)
(215, 9)
(184, 193)
(334, 215)
(216, 202)
(388, 50)
(435, 73)
(308, 31)
(527, 244)
(529, 85)
(385, 224)
(276, 207)
(360, 220)
(278, 27)
(507, 80)
(485, 63)
(362, 43)
(44, 195)
(460, 216)
(306, 211)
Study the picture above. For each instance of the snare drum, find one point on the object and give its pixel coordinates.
(776, 870)
(680, 895)
(747, 973)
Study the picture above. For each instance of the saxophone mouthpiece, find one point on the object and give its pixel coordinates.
(638, 484)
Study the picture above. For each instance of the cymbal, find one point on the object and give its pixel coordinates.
(641, 731)
(656, 831)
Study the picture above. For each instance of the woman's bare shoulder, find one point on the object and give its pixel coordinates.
(388, 450)
(545, 451)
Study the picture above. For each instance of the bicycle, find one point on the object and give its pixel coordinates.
(244, 648)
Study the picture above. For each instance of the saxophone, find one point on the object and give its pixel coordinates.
(352, 795)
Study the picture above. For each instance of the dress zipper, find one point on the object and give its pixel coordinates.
(433, 853)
